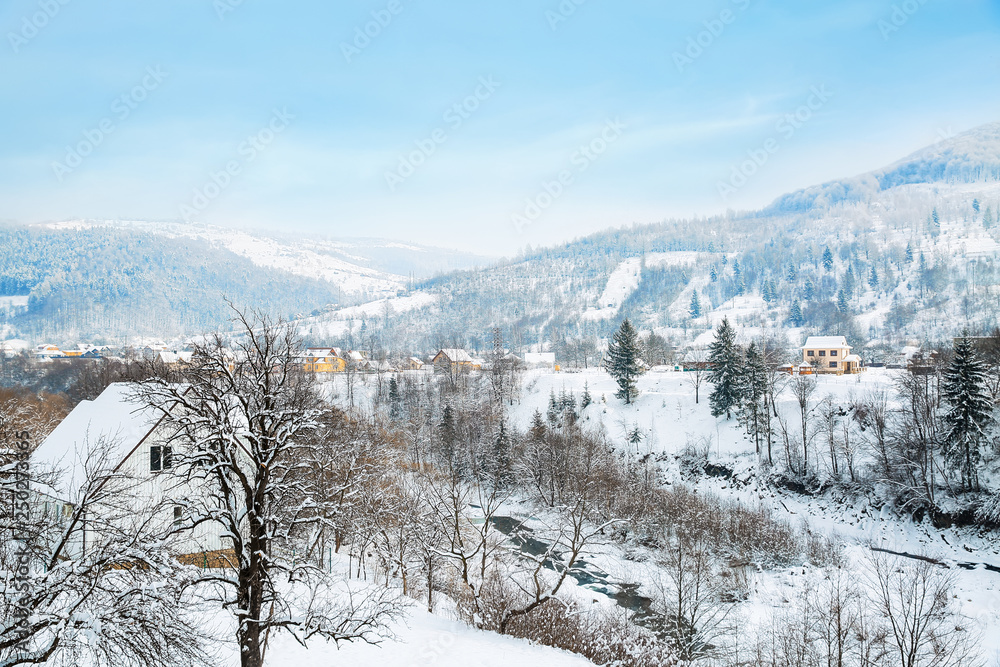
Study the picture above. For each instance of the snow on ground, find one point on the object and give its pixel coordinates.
(425, 639)
(625, 279)
(670, 420)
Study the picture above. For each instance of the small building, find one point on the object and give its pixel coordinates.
(48, 351)
(323, 360)
(452, 359)
(413, 364)
(830, 354)
(540, 359)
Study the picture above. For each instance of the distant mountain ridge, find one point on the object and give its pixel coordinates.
(972, 156)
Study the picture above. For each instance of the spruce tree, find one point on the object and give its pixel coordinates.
(695, 308)
(587, 399)
(988, 218)
(909, 253)
(500, 464)
(842, 303)
(873, 278)
(793, 273)
(975, 206)
(726, 361)
(795, 315)
(827, 259)
(753, 392)
(936, 219)
(624, 361)
(808, 291)
(713, 275)
(969, 414)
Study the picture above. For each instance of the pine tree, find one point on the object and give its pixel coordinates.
(842, 303)
(395, 401)
(936, 219)
(975, 206)
(909, 253)
(988, 218)
(714, 275)
(873, 278)
(827, 259)
(538, 429)
(808, 291)
(623, 361)
(695, 308)
(552, 414)
(795, 315)
(500, 464)
(850, 283)
(586, 399)
(736, 268)
(726, 361)
(741, 287)
(753, 391)
(969, 414)
(793, 273)
(448, 435)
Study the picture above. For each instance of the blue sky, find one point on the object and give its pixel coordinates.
(572, 116)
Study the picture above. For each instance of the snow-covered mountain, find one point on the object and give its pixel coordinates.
(913, 248)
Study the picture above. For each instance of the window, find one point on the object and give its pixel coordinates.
(833, 364)
(822, 353)
(811, 353)
(833, 353)
(160, 458)
(178, 515)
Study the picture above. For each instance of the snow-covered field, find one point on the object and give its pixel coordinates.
(670, 420)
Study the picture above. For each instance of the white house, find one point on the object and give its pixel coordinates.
(118, 425)
(830, 354)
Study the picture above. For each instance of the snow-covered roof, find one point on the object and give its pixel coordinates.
(853, 357)
(548, 358)
(116, 415)
(455, 355)
(826, 342)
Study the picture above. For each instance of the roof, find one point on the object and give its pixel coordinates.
(540, 358)
(117, 415)
(826, 341)
(455, 355)
(852, 357)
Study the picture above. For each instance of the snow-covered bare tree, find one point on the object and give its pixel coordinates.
(90, 579)
(243, 425)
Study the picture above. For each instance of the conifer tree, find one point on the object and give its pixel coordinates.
(936, 219)
(552, 414)
(808, 291)
(753, 392)
(586, 399)
(909, 253)
(695, 308)
(988, 218)
(713, 275)
(623, 361)
(448, 435)
(873, 278)
(726, 360)
(842, 303)
(969, 414)
(500, 464)
(975, 205)
(827, 259)
(793, 273)
(795, 315)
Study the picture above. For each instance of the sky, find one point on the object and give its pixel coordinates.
(486, 126)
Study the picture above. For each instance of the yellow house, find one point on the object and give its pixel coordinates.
(323, 360)
(453, 359)
(830, 354)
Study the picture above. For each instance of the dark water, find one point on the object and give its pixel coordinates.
(625, 595)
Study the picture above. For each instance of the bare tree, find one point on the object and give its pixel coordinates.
(803, 387)
(90, 579)
(696, 370)
(241, 425)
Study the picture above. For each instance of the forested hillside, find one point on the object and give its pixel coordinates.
(103, 284)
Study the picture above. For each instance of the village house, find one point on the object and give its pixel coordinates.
(453, 359)
(830, 354)
(323, 360)
(118, 428)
